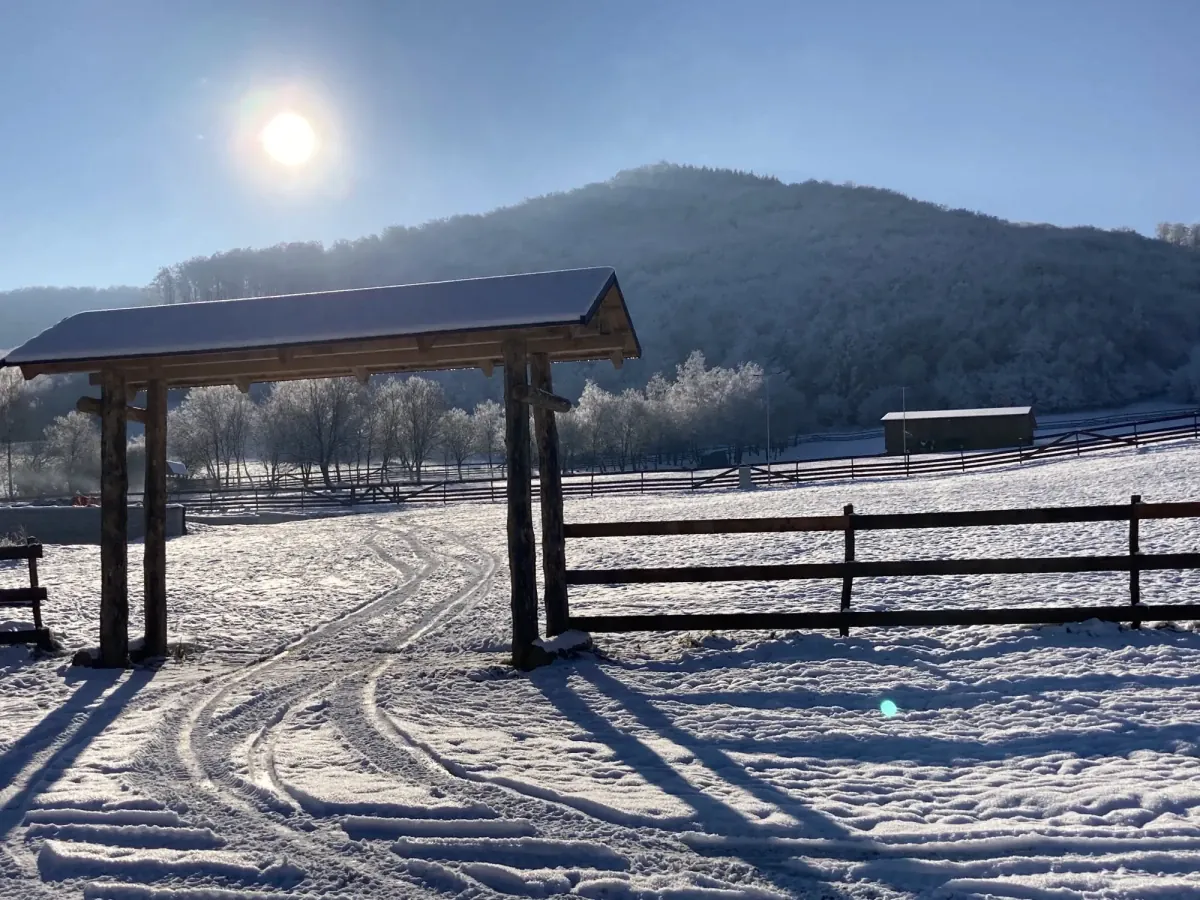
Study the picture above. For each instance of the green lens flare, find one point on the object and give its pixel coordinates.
(888, 708)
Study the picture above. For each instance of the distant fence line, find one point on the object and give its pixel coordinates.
(291, 495)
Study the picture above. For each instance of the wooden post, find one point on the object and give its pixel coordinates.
(155, 503)
(554, 545)
(522, 564)
(847, 581)
(1135, 586)
(33, 583)
(114, 525)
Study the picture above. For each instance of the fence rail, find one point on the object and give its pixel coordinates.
(1134, 563)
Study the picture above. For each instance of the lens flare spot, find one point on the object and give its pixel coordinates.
(888, 708)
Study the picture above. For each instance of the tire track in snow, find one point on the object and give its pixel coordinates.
(191, 763)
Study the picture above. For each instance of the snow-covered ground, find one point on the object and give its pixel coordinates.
(342, 724)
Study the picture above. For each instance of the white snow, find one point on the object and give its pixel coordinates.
(340, 722)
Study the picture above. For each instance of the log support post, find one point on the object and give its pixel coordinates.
(522, 563)
(554, 553)
(155, 503)
(114, 520)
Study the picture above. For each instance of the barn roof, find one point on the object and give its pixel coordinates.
(571, 315)
(998, 411)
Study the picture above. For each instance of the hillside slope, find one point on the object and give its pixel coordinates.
(851, 291)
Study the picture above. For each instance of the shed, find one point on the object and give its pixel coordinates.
(521, 322)
(952, 430)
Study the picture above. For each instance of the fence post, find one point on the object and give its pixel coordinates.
(848, 579)
(1135, 587)
(962, 456)
(851, 469)
(592, 492)
(642, 488)
(444, 491)
(1077, 451)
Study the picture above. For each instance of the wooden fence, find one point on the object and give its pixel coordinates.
(852, 568)
(290, 494)
(293, 496)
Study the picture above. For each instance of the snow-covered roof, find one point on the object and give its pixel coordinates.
(958, 413)
(338, 326)
(176, 468)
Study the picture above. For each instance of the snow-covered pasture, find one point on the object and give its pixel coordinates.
(346, 728)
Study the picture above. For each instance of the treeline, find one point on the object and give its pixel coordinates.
(332, 430)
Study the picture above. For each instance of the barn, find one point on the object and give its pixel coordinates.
(949, 430)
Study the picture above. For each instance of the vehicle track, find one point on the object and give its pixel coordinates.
(214, 761)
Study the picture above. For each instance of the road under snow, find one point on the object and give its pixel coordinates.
(341, 724)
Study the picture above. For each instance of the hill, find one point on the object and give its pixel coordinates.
(28, 311)
(850, 291)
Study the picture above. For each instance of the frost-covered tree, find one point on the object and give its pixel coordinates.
(488, 426)
(211, 430)
(457, 437)
(16, 400)
(421, 407)
(73, 444)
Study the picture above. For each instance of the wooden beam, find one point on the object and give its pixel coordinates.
(114, 522)
(554, 545)
(91, 406)
(487, 365)
(243, 384)
(377, 354)
(363, 375)
(618, 358)
(155, 502)
(1028, 615)
(538, 398)
(521, 551)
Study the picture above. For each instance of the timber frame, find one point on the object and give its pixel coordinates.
(578, 315)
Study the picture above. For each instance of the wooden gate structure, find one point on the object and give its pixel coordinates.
(521, 322)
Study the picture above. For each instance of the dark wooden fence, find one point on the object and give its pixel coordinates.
(30, 597)
(852, 568)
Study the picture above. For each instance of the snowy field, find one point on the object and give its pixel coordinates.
(340, 722)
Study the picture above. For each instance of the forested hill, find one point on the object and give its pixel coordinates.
(851, 291)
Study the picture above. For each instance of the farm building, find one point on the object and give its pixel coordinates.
(946, 430)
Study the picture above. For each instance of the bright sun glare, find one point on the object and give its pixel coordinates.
(289, 139)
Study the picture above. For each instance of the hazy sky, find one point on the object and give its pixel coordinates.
(127, 126)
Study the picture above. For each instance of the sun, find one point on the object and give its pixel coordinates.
(289, 139)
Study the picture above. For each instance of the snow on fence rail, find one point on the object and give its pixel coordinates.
(849, 523)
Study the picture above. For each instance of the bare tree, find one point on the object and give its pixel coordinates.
(324, 412)
(488, 423)
(212, 427)
(275, 433)
(73, 442)
(15, 402)
(457, 437)
(422, 405)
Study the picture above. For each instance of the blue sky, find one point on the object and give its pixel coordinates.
(125, 123)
